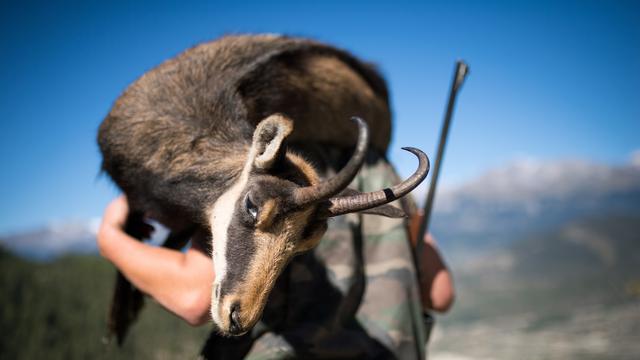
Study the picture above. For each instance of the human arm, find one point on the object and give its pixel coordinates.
(436, 282)
(179, 281)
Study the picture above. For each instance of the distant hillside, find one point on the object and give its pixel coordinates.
(57, 310)
(569, 293)
(585, 248)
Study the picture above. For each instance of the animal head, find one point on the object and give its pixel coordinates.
(278, 208)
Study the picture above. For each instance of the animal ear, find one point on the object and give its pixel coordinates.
(269, 140)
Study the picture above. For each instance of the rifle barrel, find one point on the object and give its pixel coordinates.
(461, 71)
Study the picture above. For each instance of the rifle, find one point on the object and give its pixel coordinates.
(419, 223)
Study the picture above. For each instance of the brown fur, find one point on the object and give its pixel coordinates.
(179, 137)
(188, 123)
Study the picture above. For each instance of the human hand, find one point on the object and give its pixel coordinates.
(429, 239)
(115, 214)
(113, 221)
(438, 292)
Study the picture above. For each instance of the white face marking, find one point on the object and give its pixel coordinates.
(221, 215)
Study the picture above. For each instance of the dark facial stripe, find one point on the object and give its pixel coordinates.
(241, 249)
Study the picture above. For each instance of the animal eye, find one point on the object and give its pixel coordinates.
(252, 209)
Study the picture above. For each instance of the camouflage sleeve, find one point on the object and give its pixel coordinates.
(391, 304)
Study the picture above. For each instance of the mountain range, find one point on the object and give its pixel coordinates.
(53, 240)
(531, 196)
(495, 209)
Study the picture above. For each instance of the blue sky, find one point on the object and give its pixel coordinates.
(548, 80)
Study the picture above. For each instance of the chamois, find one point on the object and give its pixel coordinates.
(213, 141)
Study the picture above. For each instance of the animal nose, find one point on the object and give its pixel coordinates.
(234, 320)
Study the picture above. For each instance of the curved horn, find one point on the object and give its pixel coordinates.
(341, 180)
(347, 204)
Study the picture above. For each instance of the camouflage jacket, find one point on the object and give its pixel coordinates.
(355, 296)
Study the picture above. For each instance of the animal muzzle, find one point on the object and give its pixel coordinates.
(234, 324)
(237, 306)
(237, 314)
